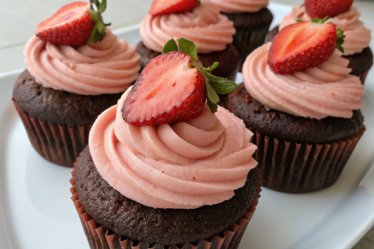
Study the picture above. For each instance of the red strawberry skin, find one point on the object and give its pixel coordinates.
(302, 45)
(162, 7)
(327, 8)
(168, 90)
(71, 25)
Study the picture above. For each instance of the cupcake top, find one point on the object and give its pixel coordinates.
(203, 25)
(240, 6)
(357, 35)
(182, 165)
(325, 90)
(182, 157)
(109, 66)
(73, 51)
(303, 74)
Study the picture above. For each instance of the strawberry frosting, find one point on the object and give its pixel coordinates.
(204, 25)
(240, 6)
(105, 67)
(357, 35)
(325, 90)
(183, 165)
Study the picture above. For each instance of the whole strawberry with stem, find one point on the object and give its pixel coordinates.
(326, 8)
(174, 87)
(74, 24)
(303, 45)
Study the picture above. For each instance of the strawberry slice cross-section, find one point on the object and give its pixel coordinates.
(303, 45)
(174, 87)
(168, 90)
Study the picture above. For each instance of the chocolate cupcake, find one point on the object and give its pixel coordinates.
(153, 177)
(358, 37)
(307, 123)
(133, 223)
(65, 88)
(204, 25)
(252, 20)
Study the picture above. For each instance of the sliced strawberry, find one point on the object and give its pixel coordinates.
(168, 90)
(303, 45)
(73, 25)
(326, 8)
(162, 7)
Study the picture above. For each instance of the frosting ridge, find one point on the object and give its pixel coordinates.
(240, 6)
(325, 90)
(204, 25)
(357, 35)
(105, 67)
(167, 166)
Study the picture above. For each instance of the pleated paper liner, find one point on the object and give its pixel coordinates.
(251, 31)
(101, 238)
(59, 144)
(302, 167)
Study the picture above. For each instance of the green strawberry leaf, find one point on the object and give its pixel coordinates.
(100, 27)
(99, 31)
(340, 40)
(102, 7)
(220, 85)
(188, 47)
(94, 15)
(212, 106)
(212, 95)
(212, 67)
(319, 20)
(170, 46)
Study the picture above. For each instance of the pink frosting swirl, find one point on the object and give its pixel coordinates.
(357, 36)
(325, 90)
(240, 6)
(204, 25)
(183, 165)
(105, 67)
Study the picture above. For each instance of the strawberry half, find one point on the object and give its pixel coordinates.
(303, 45)
(174, 87)
(74, 24)
(162, 7)
(326, 8)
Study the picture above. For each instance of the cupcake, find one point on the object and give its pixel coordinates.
(358, 37)
(306, 122)
(149, 179)
(203, 24)
(69, 82)
(252, 20)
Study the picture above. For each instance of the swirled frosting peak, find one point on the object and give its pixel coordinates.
(240, 6)
(182, 165)
(325, 90)
(204, 25)
(357, 35)
(105, 67)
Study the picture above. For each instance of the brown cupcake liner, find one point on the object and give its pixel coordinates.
(102, 238)
(248, 40)
(251, 31)
(59, 144)
(302, 167)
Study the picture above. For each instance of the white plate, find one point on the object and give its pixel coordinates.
(36, 210)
